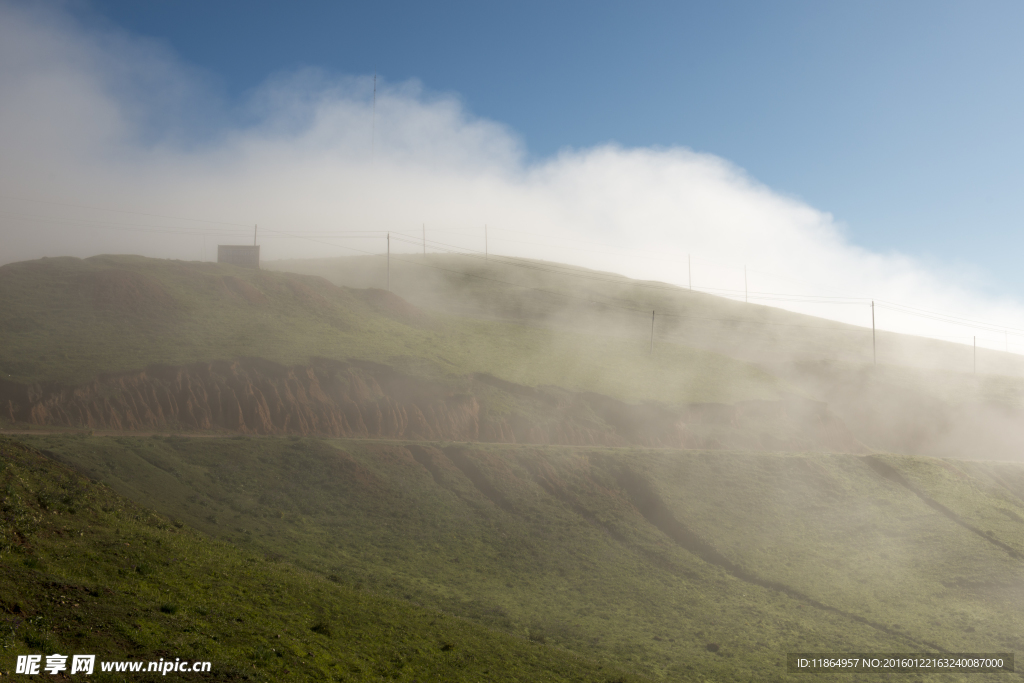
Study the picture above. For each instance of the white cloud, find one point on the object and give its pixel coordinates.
(98, 118)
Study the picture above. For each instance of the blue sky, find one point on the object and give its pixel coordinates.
(903, 120)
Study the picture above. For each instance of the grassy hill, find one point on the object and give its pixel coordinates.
(922, 397)
(65, 322)
(84, 570)
(682, 565)
(68, 320)
(571, 297)
(467, 550)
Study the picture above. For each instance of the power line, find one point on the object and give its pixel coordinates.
(621, 305)
(900, 307)
(762, 296)
(552, 268)
(618, 249)
(612, 278)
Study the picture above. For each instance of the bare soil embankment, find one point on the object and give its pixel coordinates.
(350, 399)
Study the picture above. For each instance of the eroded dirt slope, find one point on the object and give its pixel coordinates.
(350, 399)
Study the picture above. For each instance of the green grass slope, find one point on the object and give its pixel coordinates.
(923, 396)
(676, 565)
(85, 571)
(67, 320)
(573, 297)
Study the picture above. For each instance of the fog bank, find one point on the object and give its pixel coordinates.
(107, 136)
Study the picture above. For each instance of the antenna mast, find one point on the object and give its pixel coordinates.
(652, 332)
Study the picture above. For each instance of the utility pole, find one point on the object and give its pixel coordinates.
(874, 350)
(389, 261)
(652, 332)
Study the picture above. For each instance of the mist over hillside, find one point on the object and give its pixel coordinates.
(471, 410)
(895, 392)
(478, 350)
(641, 477)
